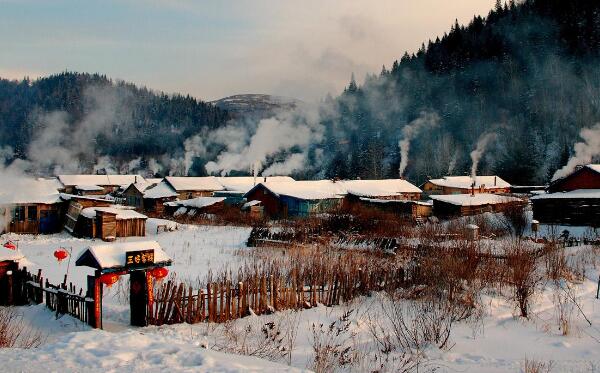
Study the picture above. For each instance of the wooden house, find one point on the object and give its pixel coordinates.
(33, 207)
(583, 177)
(466, 185)
(452, 205)
(234, 187)
(571, 200)
(156, 196)
(298, 198)
(96, 184)
(110, 222)
(388, 189)
(192, 187)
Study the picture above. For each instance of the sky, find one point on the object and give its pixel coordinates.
(213, 49)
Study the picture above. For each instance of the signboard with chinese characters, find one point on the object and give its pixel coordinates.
(139, 258)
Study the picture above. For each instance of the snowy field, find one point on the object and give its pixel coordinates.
(499, 342)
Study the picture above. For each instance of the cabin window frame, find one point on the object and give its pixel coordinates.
(18, 214)
(31, 208)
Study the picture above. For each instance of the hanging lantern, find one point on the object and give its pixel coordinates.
(109, 279)
(160, 273)
(11, 246)
(61, 254)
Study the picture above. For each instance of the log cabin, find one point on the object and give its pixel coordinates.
(465, 185)
(35, 207)
(454, 205)
(192, 187)
(110, 222)
(571, 200)
(298, 198)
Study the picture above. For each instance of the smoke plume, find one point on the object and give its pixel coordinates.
(585, 151)
(426, 120)
(476, 154)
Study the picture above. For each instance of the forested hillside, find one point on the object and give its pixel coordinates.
(529, 73)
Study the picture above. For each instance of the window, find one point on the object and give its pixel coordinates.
(19, 213)
(32, 213)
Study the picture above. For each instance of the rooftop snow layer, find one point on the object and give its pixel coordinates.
(245, 183)
(112, 255)
(595, 167)
(577, 194)
(25, 190)
(197, 203)
(465, 182)
(121, 213)
(473, 200)
(106, 180)
(206, 183)
(89, 188)
(308, 190)
(379, 188)
(384, 201)
(161, 190)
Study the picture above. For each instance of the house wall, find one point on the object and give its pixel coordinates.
(272, 206)
(189, 194)
(430, 188)
(567, 211)
(134, 197)
(34, 218)
(581, 179)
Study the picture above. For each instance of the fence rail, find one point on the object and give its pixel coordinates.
(62, 299)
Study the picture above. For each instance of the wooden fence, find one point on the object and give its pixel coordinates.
(62, 299)
(264, 293)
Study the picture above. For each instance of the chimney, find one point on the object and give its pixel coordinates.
(495, 181)
(265, 179)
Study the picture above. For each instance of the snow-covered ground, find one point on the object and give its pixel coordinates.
(499, 342)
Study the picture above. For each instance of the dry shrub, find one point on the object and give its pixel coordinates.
(253, 338)
(536, 366)
(15, 333)
(523, 274)
(332, 344)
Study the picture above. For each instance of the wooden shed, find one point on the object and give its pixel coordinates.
(156, 196)
(466, 185)
(414, 210)
(110, 222)
(471, 204)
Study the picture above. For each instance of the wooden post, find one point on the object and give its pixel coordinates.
(214, 301)
(241, 299)
(150, 297)
(228, 302)
(209, 301)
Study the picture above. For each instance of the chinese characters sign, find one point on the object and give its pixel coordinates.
(139, 258)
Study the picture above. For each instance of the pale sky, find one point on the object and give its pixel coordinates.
(212, 49)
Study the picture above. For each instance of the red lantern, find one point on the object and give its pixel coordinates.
(9, 245)
(109, 279)
(160, 273)
(61, 254)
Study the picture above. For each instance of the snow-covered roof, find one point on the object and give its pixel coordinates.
(197, 203)
(99, 198)
(576, 194)
(465, 182)
(594, 167)
(473, 200)
(245, 183)
(379, 188)
(250, 204)
(25, 190)
(112, 255)
(307, 189)
(392, 201)
(121, 212)
(89, 188)
(12, 255)
(205, 183)
(161, 190)
(154, 180)
(106, 180)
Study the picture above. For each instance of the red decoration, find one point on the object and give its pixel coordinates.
(9, 245)
(160, 273)
(61, 254)
(109, 279)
